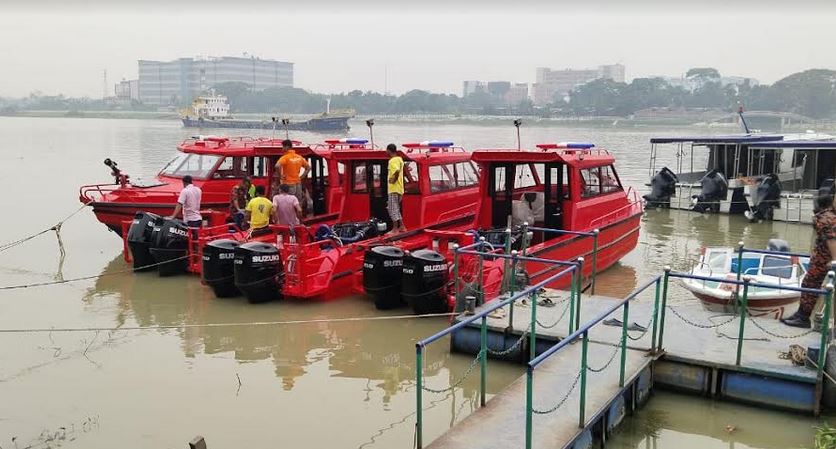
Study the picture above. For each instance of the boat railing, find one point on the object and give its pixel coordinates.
(625, 210)
(572, 269)
(96, 192)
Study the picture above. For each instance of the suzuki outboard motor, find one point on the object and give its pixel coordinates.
(424, 281)
(171, 246)
(767, 197)
(662, 188)
(259, 271)
(219, 267)
(382, 269)
(714, 189)
(824, 198)
(139, 239)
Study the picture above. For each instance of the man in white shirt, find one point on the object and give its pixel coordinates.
(189, 204)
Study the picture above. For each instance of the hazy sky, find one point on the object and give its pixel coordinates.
(55, 46)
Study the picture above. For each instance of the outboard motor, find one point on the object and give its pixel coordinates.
(662, 188)
(424, 281)
(382, 270)
(767, 197)
(714, 189)
(219, 267)
(171, 246)
(139, 238)
(259, 271)
(824, 198)
(778, 245)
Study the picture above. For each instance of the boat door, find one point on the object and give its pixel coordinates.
(377, 181)
(555, 183)
(318, 184)
(501, 192)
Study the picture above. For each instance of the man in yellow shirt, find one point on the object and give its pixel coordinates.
(258, 213)
(292, 169)
(395, 188)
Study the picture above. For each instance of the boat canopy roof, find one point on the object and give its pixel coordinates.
(413, 151)
(230, 146)
(732, 138)
(571, 153)
(823, 144)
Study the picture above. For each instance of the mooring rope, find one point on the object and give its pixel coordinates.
(56, 228)
(209, 325)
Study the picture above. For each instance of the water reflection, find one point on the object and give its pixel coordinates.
(353, 349)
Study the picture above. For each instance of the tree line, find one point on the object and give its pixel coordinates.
(811, 93)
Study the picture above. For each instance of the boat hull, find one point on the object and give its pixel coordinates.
(771, 304)
(315, 124)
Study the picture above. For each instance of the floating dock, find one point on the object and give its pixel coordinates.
(699, 355)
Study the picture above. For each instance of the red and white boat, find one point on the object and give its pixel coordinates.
(216, 164)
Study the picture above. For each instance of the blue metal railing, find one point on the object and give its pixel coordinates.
(573, 269)
(583, 333)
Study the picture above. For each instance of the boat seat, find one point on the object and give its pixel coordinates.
(530, 208)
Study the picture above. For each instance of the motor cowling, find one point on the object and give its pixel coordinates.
(218, 267)
(259, 271)
(714, 189)
(139, 239)
(662, 188)
(382, 271)
(170, 246)
(424, 281)
(767, 197)
(824, 197)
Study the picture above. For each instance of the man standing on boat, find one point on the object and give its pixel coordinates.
(189, 204)
(395, 188)
(292, 170)
(824, 224)
(258, 213)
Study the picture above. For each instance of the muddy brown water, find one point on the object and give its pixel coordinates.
(346, 384)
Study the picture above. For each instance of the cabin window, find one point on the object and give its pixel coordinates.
(777, 266)
(410, 177)
(466, 175)
(441, 178)
(340, 172)
(524, 177)
(197, 165)
(259, 167)
(358, 182)
(499, 179)
(230, 167)
(609, 180)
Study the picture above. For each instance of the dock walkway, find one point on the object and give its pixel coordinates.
(700, 349)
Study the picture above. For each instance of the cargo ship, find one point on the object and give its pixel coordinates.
(212, 111)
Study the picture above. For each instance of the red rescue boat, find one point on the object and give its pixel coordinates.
(441, 192)
(216, 164)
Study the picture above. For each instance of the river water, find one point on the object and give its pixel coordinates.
(347, 384)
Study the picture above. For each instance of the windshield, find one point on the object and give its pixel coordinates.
(197, 165)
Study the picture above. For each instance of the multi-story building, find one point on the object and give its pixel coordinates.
(126, 90)
(174, 82)
(550, 83)
(516, 94)
(504, 92)
(471, 87)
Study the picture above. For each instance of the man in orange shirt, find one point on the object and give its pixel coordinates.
(292, 169)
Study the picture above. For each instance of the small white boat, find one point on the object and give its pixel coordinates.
(719, 262)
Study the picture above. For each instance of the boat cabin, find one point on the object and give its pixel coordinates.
(735, 156)
(814, 159)
(436, 175)
(557, 186)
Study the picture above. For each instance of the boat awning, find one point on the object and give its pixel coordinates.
(733, 139)
(826, 144)
(575, 157)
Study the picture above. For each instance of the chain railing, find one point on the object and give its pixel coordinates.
(582, 333)
(743, 307)
(569, 268)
